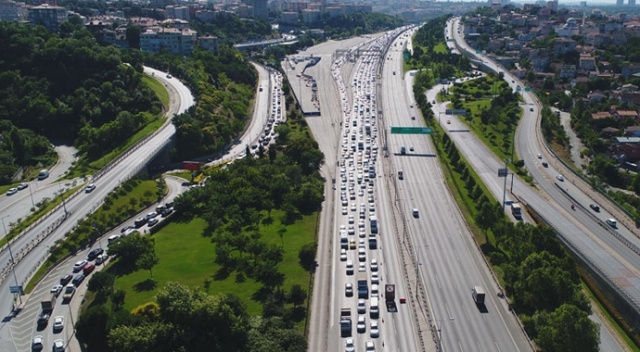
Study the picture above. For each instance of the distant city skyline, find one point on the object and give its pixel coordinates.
(593, 3)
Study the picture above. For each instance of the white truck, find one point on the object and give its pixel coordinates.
(516, 210)
(477, 292)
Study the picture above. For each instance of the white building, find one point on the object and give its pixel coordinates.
(175, 41)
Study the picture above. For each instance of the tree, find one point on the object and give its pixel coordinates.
(566, 329)
(147, 261)
(101, 282)
(91, 326)
(307, 256)
(130, 248)
(297, 295)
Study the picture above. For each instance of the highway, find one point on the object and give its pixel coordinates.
(32, 248)
(449, 263)
(343, 100)
(583, 229)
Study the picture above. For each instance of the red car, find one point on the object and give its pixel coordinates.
(88, 269)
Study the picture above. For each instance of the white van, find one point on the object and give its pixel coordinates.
(374, 291)
(374, 309)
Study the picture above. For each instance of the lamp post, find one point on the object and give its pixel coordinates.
(33, 204)
(64, 205)
(13, 266)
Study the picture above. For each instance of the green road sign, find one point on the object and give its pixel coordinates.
(411, 130)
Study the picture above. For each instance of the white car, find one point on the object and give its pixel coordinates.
(90, 188)
(348, 289)
(375, 279)
(362, 267)
(56, 289)
(12, 191)
(58, 323)
(374, 264)
(37, 345)
(344, 211)
(349, 346)
(370, 346)
(560, 178)
(362, 308)
(362, 324)
(58, 345)
(373, 330)
(79, 265)
(343, 255)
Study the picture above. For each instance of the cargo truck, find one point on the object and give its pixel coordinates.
(389, 297)
(477, 292)
(345, 322)
(47, 304)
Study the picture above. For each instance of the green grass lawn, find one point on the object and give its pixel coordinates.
(493, 136)
(187, 257)
(441, 48)
(158, 88)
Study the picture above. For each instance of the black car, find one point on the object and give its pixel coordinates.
(595, 207)
(78, 280)
(65, 280)
(124, 229)
(95, 253)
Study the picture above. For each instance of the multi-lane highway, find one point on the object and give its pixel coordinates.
(448, 260)
(584, 229)
(428, 253)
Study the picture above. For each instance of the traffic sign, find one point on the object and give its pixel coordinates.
(527, 89)
(518, 88)
(503, 172)
(16, 289)
(411, 130)
(455, 112)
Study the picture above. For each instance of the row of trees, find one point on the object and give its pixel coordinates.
(540, 277)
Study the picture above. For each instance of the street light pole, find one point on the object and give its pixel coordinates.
(13, 266)
(64, 205)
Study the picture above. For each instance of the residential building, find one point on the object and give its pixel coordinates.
(209, 43)
(179, 12)
(49, 16)
(13, 11)
(175, 41)
(260, 9)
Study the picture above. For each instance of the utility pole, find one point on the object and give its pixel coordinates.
(13, 266)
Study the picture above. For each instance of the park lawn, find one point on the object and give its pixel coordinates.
(189, 258)
(158, 88)
(441, 48)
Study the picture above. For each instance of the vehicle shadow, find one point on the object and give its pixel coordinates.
(482, 308)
